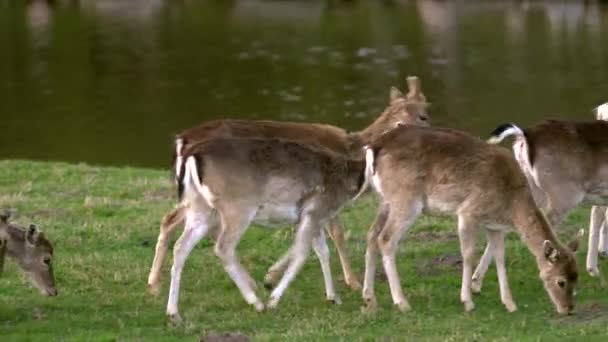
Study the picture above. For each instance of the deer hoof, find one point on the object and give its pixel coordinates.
(154, 289)
(511, 307)
(353, 284)
(404, 306)
(335, 300)
(469, 306)
(371, 305)
(175, 318)
(593, 271)
(476, 285)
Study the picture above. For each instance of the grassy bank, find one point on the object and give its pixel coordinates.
(104, 223)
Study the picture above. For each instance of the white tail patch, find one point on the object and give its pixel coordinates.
(179, 143)
(191, 177)
(602, 112)
(512, 130)
(369, 170)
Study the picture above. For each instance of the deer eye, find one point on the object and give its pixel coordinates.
(561, 283)
(47, 260)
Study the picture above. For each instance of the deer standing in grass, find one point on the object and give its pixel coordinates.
(439, 170)
(31, 251)
(566, 163)
(228, 183)
(402, 109)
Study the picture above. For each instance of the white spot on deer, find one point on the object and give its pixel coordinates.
(178, 157)
(192, 177)
(602, 112)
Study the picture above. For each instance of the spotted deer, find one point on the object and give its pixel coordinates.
(566, 163)
(227, 183)
(31, 251)
(402, 109)
(445, 171)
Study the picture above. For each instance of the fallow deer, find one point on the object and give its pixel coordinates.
(440, 170)
(598, 225)
(402, 109)
(232, 182)
(566, 163)
(32, 252)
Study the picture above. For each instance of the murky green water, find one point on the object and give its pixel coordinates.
(110, 81)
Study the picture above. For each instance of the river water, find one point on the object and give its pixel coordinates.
(109, 82)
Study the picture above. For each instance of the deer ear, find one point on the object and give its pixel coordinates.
(32, 234)
(573, 245)
(551, 254)
(395, 94)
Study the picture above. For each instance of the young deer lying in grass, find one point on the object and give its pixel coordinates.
(31, 251)
(445, 171)
(233, 182)
(408, 109)
(566, 163)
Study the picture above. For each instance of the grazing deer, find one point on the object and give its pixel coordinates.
(440, 170)
(32, 252)
(232, 182)
(566, 163)
(402, 109)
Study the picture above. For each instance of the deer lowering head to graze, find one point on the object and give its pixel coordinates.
(228, 183)
(416, 169)
(31, 251)
(566, 163)
(410, 108)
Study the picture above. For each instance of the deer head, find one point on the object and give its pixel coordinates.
(32, 252)
(409, 109)
(560, 273)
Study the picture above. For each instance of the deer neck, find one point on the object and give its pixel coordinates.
(533, 227)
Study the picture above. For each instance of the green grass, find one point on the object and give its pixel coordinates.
(104, 223)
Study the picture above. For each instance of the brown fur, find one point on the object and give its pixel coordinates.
(268, 181)
(568, 165)
(31, 251)
(446, 171)
(408, 109)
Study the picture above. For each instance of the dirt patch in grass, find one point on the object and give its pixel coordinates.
(440, 263)
(225, 337)
(585, 313)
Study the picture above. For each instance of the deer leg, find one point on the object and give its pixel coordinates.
(234, 224)
(309, 227)
(197, 225)
(336, 232)
(496, 243)
(595, 225)
(466, 235)
(371, 251)
(277, 269)
(482, 268)
(322, 251)
(603, 243)
(398, 222)
(167, 227)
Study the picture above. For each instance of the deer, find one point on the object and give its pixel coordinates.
(227, 183)
(566, 164)
(446, 171)
(598, 225)
(32, 252)
(410, 108)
